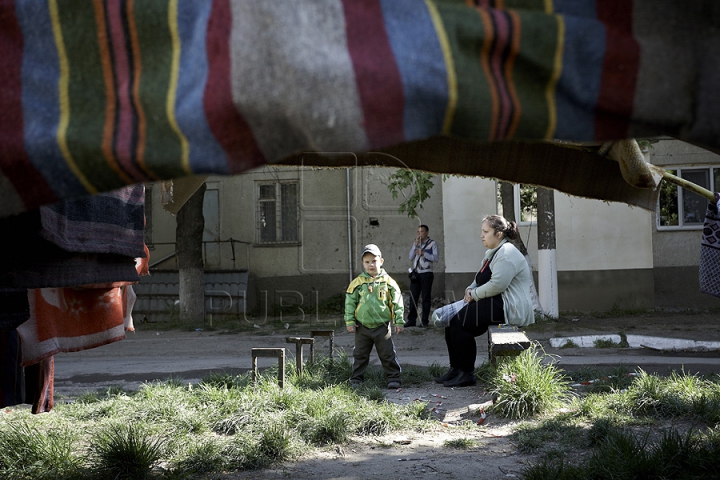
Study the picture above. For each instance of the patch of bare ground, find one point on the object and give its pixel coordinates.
(488, 451)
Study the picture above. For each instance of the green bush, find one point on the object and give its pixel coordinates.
(525, 386)
(124, 452)
(27, 453)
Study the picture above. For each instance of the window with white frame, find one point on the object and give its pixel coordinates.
(679, 208)
(277, 214)
(524, 201)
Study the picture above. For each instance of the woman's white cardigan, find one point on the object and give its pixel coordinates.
(511, 277)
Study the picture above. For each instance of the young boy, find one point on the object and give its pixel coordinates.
(373, 304)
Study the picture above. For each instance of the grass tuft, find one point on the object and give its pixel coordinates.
(125, 452)
(525, 386)
(460, 443)
(28, 453)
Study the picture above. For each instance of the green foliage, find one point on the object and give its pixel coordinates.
(680, 394)
(123, 451)
(554, 468)
(608, 379)
(623, 454)
(419, 184)
(29, 453)
(225, 423)
(201, 456)
(668, 201)
(534, 436)
(525, 386)
(224, 380)
(605, 343)
(331, 427)
(528, 203)
(460, 443)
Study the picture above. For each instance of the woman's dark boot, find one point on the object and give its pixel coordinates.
(463, 379)
(452, 373)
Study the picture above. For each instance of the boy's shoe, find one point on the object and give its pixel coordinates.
(354, 384)
(463, 379)
(393, 384)
(408, 324)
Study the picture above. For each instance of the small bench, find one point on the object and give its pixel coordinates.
(278, 353)
(505, 341)
(299, 342)
(322, 333)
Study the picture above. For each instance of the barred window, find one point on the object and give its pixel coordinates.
(277, 214)
(680, 208)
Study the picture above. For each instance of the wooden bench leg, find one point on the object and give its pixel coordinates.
(278, 353)
(322, 333)
(299, 342)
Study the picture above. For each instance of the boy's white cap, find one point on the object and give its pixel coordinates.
(371, 248)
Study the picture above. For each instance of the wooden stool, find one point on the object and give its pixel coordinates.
(278, 353)
(321, 333)
(299, 342)
(505, 340)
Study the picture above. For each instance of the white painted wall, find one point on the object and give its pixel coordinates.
(596, 235)
(466, 200)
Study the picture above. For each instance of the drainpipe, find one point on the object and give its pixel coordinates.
(349, 226)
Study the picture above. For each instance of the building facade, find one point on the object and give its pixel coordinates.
(297, 232)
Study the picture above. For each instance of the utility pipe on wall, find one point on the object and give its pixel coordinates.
(349, 226)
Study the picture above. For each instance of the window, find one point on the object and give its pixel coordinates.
(679, 208)
(525, 203)
(277, 212)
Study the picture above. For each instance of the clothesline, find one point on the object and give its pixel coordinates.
(689, 186)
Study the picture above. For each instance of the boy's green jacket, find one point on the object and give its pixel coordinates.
(373, 301)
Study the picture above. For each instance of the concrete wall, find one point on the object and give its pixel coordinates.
(679, 288)
(673, 153)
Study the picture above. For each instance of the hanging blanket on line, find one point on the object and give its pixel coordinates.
(710, 250)
(111, 222)
(97, 95)
(73, 319)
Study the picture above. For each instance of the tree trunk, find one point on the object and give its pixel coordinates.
(547, 264)
(507, 200)
(188, 244)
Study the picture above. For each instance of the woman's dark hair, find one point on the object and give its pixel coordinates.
(499, 224)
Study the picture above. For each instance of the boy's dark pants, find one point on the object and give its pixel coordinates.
(381, 337)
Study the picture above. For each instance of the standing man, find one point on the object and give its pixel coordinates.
(423, 256)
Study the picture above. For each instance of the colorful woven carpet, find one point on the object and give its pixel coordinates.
(97, 95)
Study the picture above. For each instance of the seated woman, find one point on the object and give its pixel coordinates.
(499, 294)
